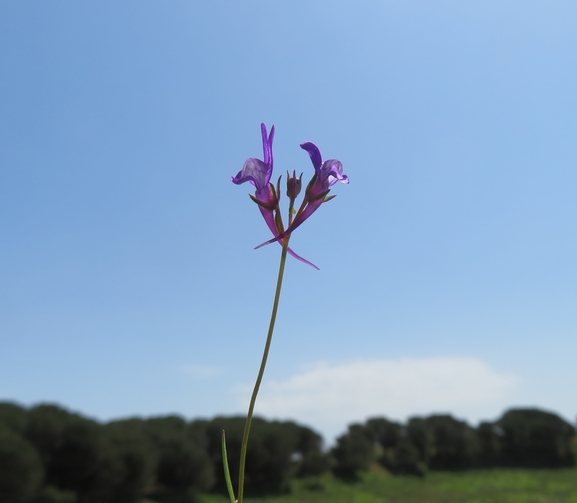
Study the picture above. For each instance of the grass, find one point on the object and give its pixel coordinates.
(480, 486)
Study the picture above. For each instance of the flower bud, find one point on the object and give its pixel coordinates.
(293, 185)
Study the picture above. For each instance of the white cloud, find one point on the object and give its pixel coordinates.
(328, 397)
(200, 370)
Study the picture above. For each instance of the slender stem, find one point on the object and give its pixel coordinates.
(291, 210)
(244, 445)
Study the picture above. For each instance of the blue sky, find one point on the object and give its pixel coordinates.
(448, 282)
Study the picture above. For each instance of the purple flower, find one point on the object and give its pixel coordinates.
(326, 175)
(258, 173)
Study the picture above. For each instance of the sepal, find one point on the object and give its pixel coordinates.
(260, 203)
(320, 196)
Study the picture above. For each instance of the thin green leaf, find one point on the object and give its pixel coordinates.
(226, 470)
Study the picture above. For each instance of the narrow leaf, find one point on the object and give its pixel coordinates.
(226, 470)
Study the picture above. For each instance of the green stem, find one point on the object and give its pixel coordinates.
(244, 445)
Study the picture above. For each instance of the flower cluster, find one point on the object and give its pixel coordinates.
(267, 196)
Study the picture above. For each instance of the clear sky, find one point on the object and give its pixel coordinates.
(448, 280)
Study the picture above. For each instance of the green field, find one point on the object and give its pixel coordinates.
(481, 486)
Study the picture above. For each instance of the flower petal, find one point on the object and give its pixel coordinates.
(332, 171)
(255, 171)
(314, 154)
(267, 144)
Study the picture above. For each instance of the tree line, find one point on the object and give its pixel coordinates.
(521, 438)
(51, 455)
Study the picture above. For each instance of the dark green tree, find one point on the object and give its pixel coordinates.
(404, 459)
(133, 459)
(312, 460)
(45, 429)
(535, 438)
(354, 452)
(51, 494)
(183, 468)
(383, 432)
(454, 443)
(271, 448)
(21, 472)
(14, 416)
(77, 456)
(421, 437)
(76, 462)
(490, 445)
(392, 447)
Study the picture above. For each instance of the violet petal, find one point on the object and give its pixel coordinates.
(332, 171)
(255, 171)
(314, 154)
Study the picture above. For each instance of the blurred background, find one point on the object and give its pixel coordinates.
(447, 283)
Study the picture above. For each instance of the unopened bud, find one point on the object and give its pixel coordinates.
(293, 185)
